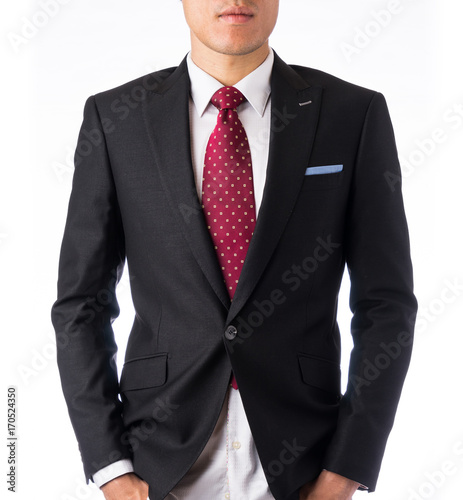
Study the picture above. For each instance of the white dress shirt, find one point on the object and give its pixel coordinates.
(228, 467)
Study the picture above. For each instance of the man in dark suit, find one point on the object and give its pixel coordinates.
(236, 243)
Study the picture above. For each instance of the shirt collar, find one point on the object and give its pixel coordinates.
(255, 86)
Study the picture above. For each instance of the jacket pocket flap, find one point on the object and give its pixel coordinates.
(143, 373)
(321, 373)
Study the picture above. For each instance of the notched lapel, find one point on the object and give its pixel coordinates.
(166, 117)
(292, 134)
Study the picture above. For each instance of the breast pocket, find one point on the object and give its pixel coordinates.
(144, 373)
(322, 181)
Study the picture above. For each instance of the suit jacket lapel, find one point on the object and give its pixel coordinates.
(293, 127)
(295, 110)
(166, 114)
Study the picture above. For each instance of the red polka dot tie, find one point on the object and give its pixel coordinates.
(228, 190)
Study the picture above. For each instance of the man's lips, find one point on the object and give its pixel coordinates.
(237, 15)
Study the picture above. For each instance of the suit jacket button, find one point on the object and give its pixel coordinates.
(230, 332)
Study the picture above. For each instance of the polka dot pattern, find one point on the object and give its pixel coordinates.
(228, 189)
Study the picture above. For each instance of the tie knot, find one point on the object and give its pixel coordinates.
(227, 98)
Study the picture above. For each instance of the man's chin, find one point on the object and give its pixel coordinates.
(237, 49)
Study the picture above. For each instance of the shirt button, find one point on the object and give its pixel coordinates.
(230, 332)
(227, 496)
(236, 445)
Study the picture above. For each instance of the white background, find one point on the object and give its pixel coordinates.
(90, 46)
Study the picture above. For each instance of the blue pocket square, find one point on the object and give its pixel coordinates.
(326, 169)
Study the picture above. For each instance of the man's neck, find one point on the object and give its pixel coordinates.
(228, 69)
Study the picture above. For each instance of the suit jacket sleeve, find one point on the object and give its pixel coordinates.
(91, 263)
(382, 302)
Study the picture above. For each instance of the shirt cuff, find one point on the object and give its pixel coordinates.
(112, 471)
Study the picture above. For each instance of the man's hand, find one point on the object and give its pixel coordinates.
(125, 487)
(329, 486)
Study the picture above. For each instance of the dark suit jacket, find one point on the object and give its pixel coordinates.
(134, 198)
